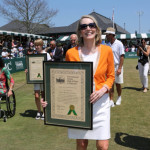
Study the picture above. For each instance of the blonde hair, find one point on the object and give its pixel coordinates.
(98, 39)
(38, 42)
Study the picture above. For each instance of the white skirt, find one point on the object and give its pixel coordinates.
(101, 122)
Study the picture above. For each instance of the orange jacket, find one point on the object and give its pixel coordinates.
(104, 75)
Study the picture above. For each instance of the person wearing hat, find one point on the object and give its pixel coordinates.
(4, 53)
(118, 51)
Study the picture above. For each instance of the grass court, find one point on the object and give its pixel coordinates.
(130, 122)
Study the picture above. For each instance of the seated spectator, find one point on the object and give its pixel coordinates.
(9, 55)
(34, 51)
(14, 51)
(4, 53)
(20, 49)
(5, 74)
(133, 48)
(29, 51)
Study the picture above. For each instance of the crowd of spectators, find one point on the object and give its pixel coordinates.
(13, 48)
(10, 49)
(132, 45)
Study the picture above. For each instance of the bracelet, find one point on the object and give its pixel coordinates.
(10, 89)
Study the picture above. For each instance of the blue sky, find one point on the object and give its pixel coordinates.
(125, 12)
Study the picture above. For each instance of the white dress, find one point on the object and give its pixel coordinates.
(101, 115)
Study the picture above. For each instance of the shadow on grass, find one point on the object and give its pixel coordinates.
(29, 113)
(132, 88)
(136, 142)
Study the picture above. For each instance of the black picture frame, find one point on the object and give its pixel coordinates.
(59, 80)
(38, 71)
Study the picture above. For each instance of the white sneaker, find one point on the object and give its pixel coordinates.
(42, 116)
(118, 102)
(38, 116)
(112, 103)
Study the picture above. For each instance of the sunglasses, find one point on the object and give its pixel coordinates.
(84, 26)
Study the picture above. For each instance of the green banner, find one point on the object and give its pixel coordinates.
(131, 55)
(15, 64)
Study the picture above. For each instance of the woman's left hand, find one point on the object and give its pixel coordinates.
(96, 95)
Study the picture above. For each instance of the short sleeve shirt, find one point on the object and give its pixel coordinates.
(118, 50)
(48, 55)
(4, 54)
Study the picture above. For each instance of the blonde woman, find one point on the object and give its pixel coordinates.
(89, 49)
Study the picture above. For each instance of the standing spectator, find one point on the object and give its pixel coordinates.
(118, 51)
(143, 64)
(5, 43)
(1, 44)
(4, 53)
(73, 43)
(126, 49)
(13, 44)
(55, 52)
(90, 49)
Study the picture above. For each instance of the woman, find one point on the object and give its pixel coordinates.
(90, 49)
(143, 64)
(4, 75)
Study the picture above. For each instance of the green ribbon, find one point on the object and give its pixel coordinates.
(72, 109)
(39, 75)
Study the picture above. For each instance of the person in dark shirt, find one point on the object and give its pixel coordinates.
(143, 64)
(55, 53)
(73, 43)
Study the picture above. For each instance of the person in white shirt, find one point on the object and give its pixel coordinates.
(38, 88)
(4, 53)
(133, 48)
(118, 51)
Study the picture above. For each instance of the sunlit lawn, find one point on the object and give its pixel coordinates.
(130, 122)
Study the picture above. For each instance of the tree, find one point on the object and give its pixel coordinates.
(30, 13)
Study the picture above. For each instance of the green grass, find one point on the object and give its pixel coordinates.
(129, 121)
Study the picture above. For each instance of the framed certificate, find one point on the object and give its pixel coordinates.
(34, 64)
(68, 86)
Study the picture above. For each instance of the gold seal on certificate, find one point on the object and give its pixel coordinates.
(72, 109)
(68, 86)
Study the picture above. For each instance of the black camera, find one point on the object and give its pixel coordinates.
(137, 45)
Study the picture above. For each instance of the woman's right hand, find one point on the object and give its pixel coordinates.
(43, 103)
